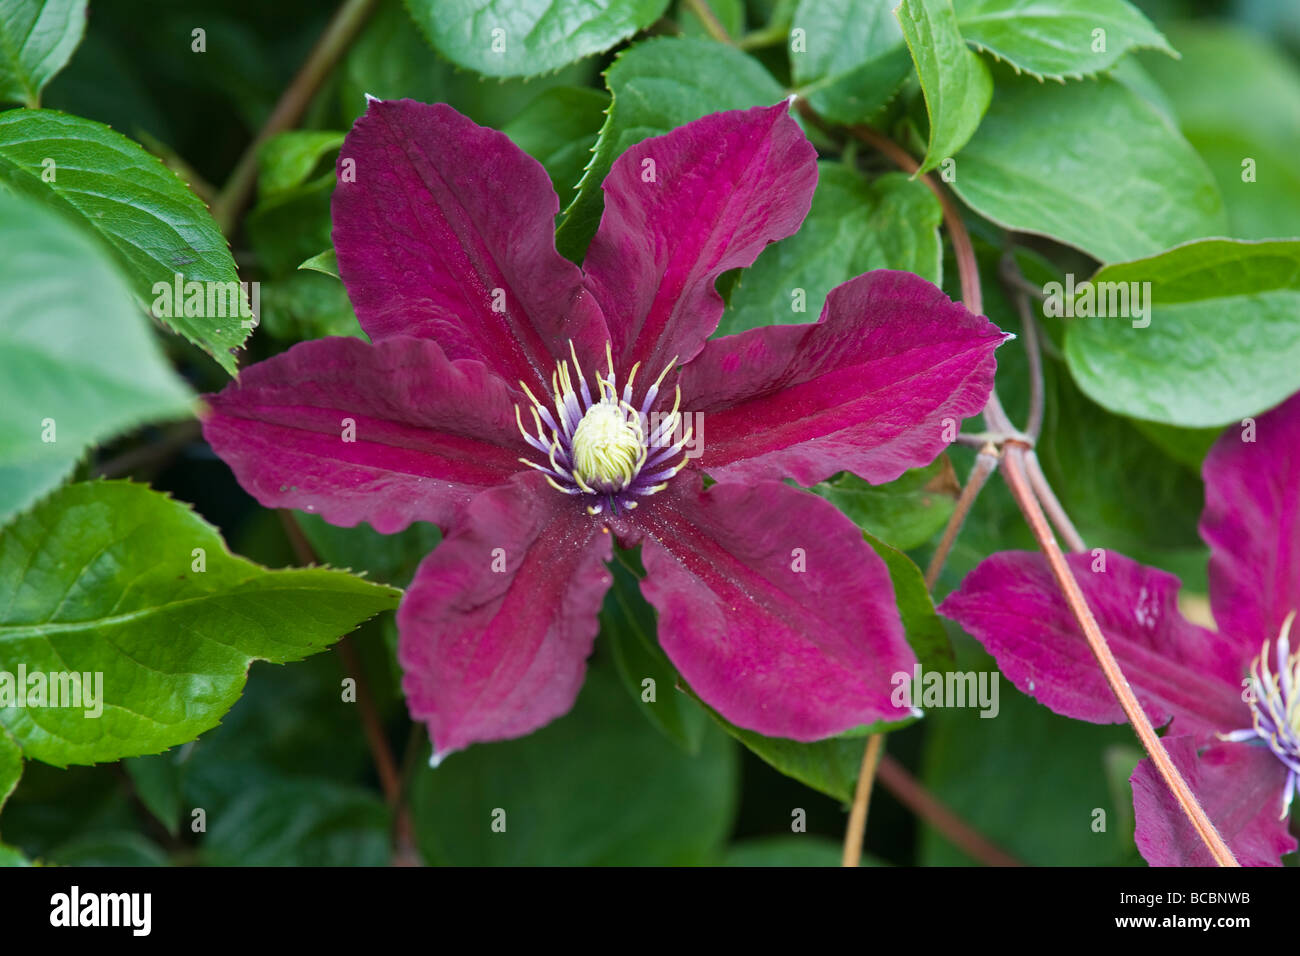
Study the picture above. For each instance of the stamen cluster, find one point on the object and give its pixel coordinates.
(604, 448)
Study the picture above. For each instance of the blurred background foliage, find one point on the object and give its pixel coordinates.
(287, 777)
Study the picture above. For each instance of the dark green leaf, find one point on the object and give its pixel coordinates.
(854, 226)
(849, 58)
(905, 513)
(559, 130)
(657, 86)
(598, 786)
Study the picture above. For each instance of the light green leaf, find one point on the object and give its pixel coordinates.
(116, 580)
(854, 226)
(37, 38)
(287, 159)
(1202, 295)
(906, 513)
(1237, 100)
(559, 129)
(153, 225)
(657, 86)
(956, 82)
(598, 786)
(1058, 38)
(326, 262)
(78, 363)
(528, 37)
(1090, 164)
(11, 857)
(850, 58)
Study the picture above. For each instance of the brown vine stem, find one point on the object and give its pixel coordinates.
(338, 36)
(908, 791)
(857, 828)
(986, 461)
(1017, 472)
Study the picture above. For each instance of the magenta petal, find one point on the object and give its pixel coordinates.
(870, 388)
(446, 231)
(426, 434)
(499, 621)
(1252, 524)
(782, 651)
(681, 209)
(1011, 605)
(1240, 789)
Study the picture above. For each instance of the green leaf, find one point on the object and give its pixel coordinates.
(78, 363)
(528, 37)
(11, 857)
(11, 766)
(1054, 39)
(559, 129)
(106, 580)
(326, 262)
(109, 848)
(157, 782)
(391, 558)
(850, 59)
(657, 86)
(1076, 162)
(1201, 295)
(802, 850)
(37, 38)
(287, 159)
(302, 306)
(854, 226)
(390, 60)
(956, 82)
(1027, 779)
(598, 786)
(300, 823)
(925, 632)
(153, 225)
(906, 513)
(1248, 138)
(288, 227)
(628, 624)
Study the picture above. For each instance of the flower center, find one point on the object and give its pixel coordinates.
(608, 447)
(1275, 707)
(604, 448)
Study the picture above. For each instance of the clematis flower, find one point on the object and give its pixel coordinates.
(1231, 698)
(537, 412)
